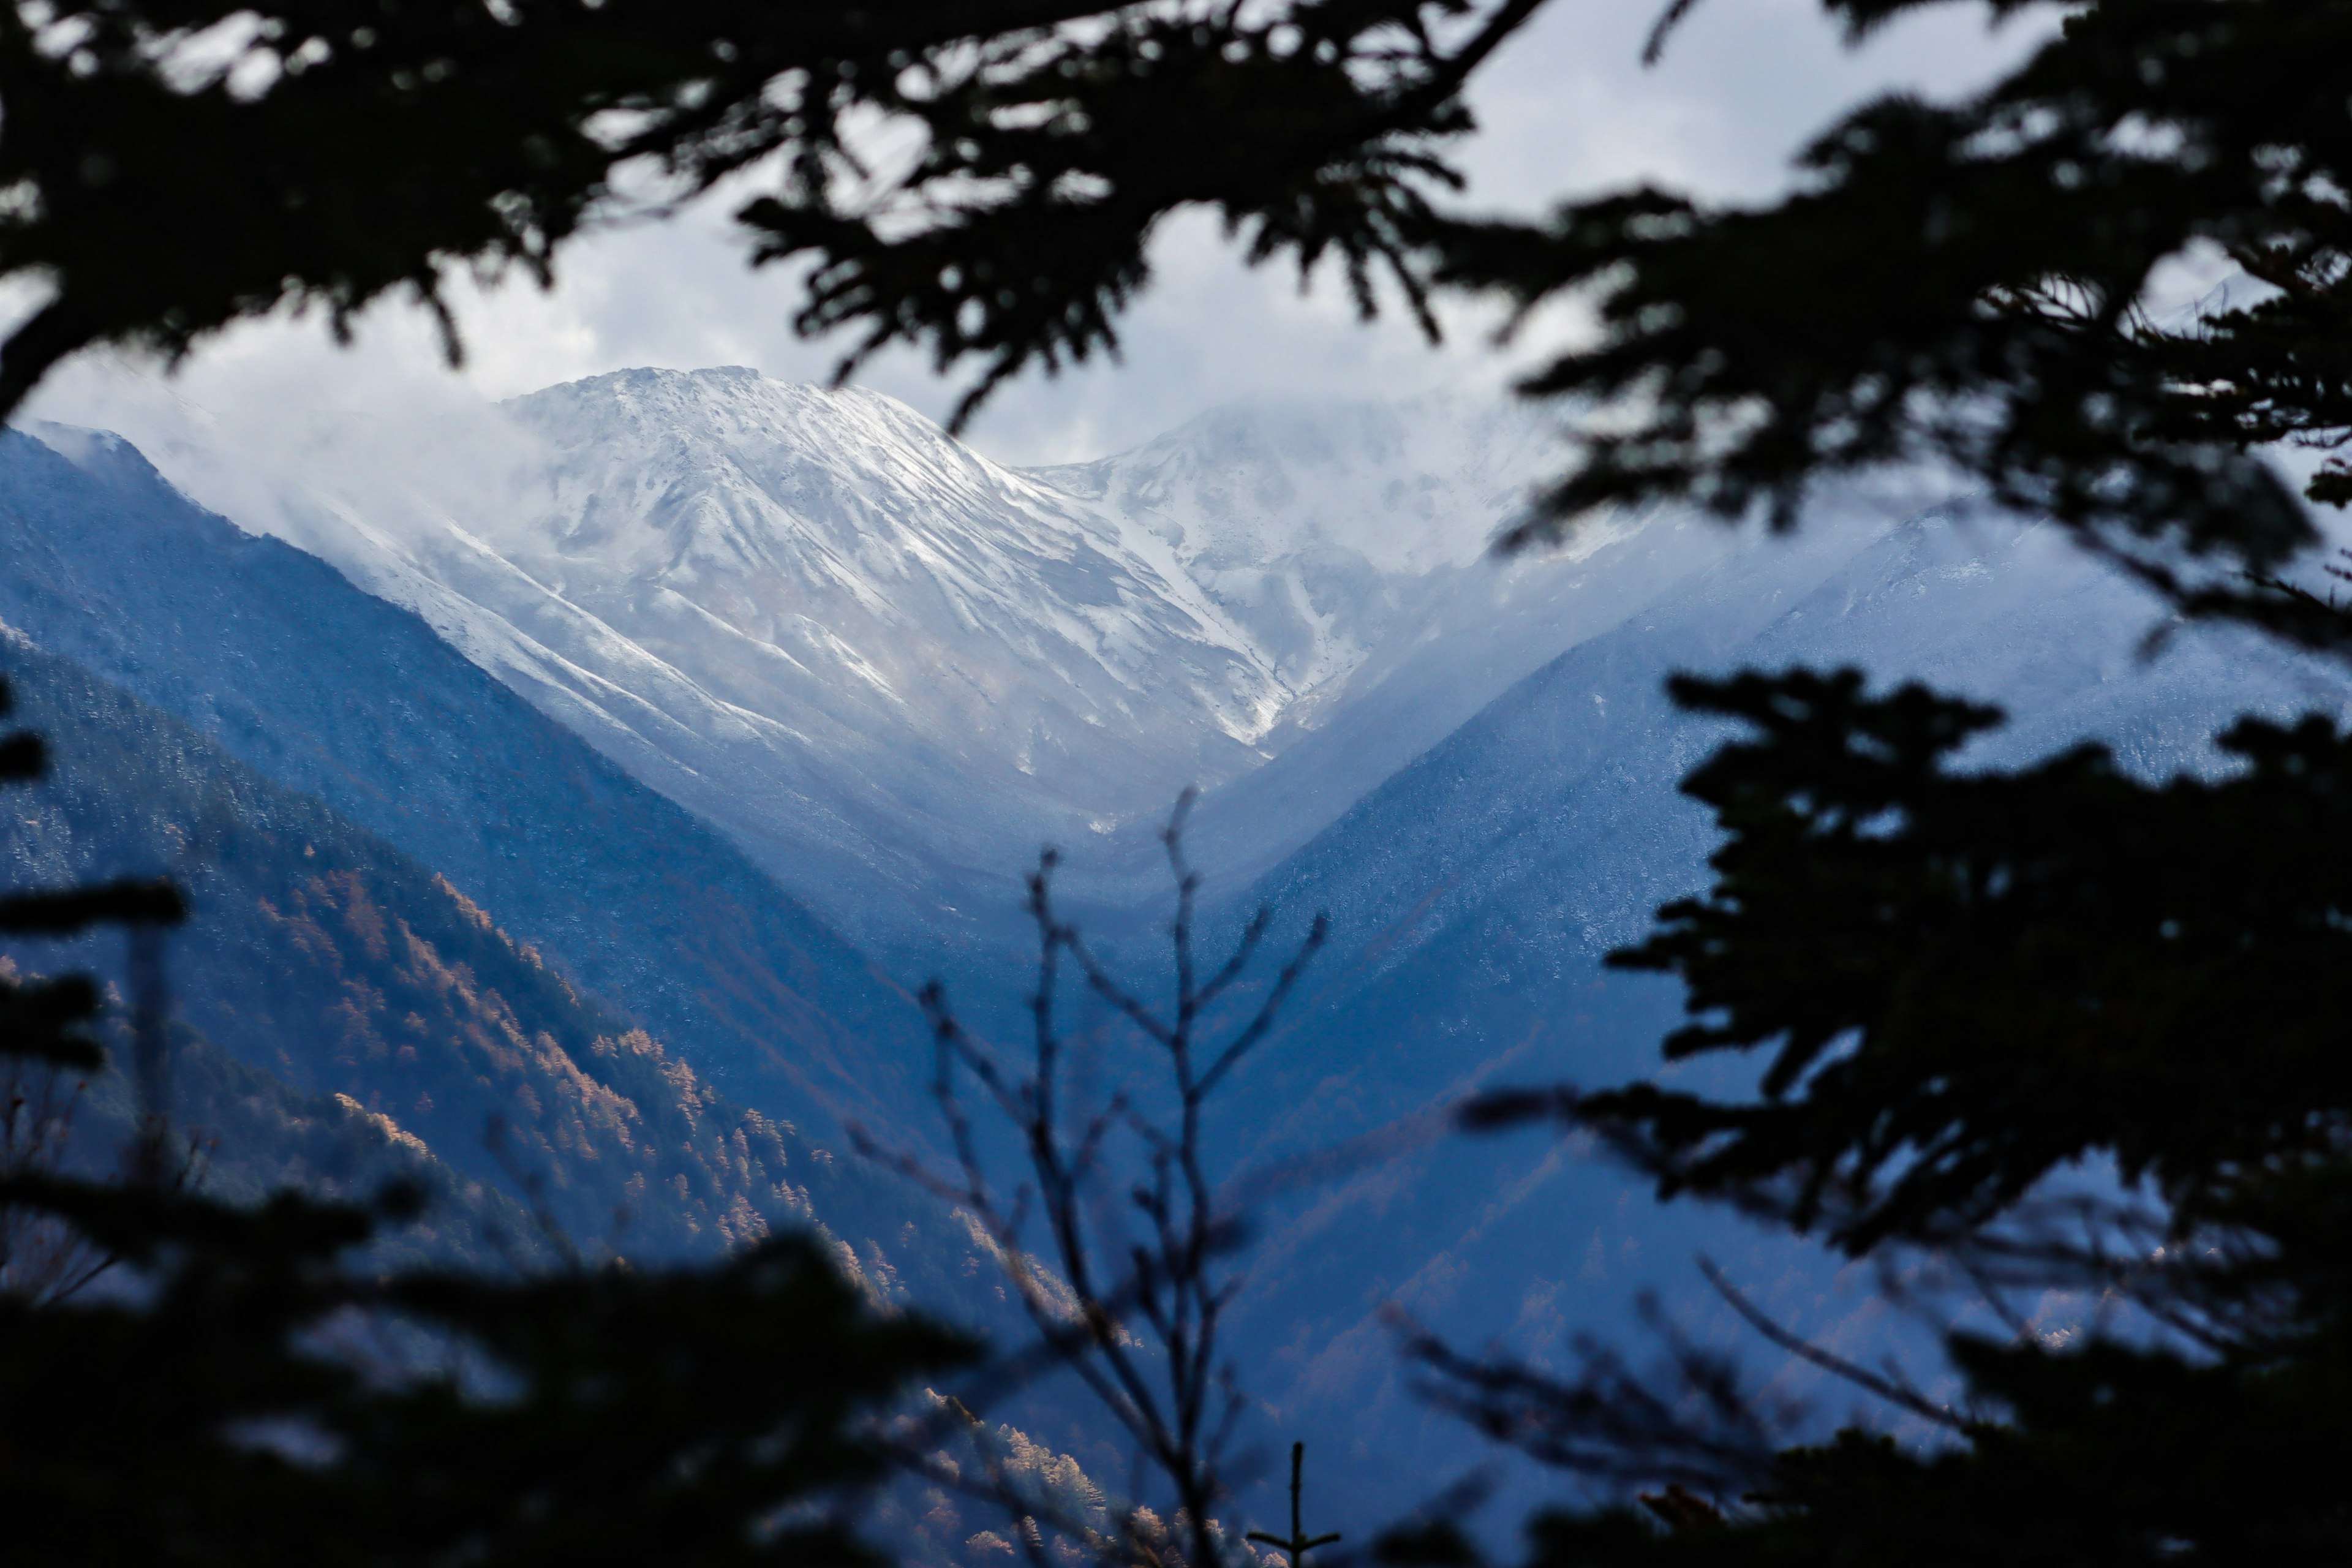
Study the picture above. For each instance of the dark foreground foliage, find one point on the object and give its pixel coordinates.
(2070, 1041)
(1969, 986)
(2057, 1028)
(174, 167)
(184, 1380)
(1969, 283)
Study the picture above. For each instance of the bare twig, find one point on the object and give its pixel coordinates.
(1297, 1543)
(1135, 1318)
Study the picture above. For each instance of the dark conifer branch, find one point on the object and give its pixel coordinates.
(1967, 285)
(345, 155)
(1691, 1421)
(1895, 1390)
(1974, 995)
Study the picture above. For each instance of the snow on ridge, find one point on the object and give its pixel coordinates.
(885, 664)
(1404, 485)
(711, 480)
(811, 617)
(1314, 525)
(1009, 656)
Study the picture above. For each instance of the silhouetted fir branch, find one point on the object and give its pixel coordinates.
(334, 156)
(1893, 1388)
(1691, 1421)
(1967, 285)
(2047, 1031)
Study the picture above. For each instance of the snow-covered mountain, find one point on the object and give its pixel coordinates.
(890, 667)
(1317, 528)
(334, 694)
(876, 659)
(1351, 541)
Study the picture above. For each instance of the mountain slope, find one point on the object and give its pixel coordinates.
(1474, 630)
(876, 659)
(811, 618)
(329, 690)
(347, 1011)
(889, 668)
(1474, 895)
(1309, 526)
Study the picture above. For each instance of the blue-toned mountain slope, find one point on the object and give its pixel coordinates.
(329, 690)
(344, 1016)
(1475, 894)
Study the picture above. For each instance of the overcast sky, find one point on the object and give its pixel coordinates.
(1567, 111)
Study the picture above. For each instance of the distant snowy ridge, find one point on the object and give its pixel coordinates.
(1307, 524)
(887, 666)
(870, 654)
(1353, 541)
(890, 667)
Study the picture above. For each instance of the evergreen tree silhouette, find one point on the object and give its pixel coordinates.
(2052, 1027)
(1964, 982)
(174, 168)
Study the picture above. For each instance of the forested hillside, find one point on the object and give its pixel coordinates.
(346, 1012)
(335, 693)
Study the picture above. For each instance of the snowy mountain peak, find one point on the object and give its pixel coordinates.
(732, 462)
(889, 667)
(1302, 522)
(1393, 483)
(815, 523)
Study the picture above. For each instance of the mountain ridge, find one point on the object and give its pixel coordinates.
(350, 1017)
(889, 667)
(333, 692)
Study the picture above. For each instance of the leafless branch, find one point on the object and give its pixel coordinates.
(1135, 1314)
